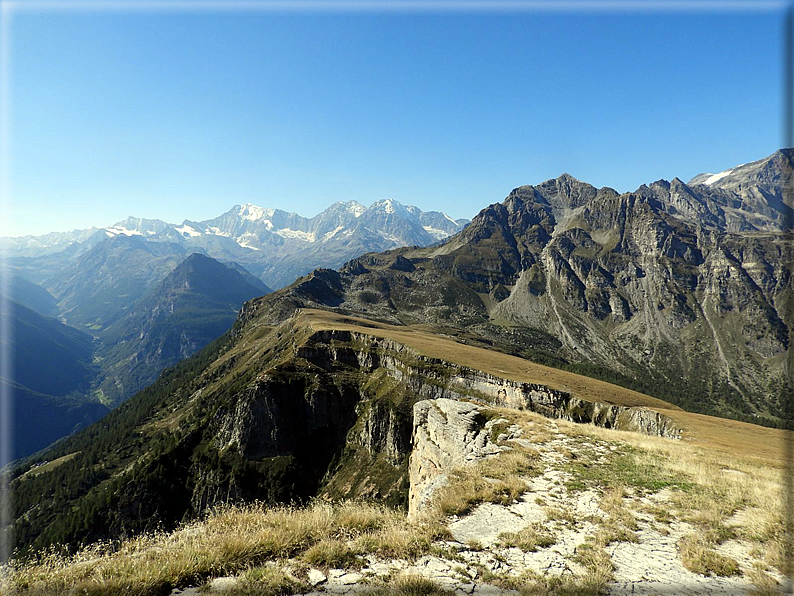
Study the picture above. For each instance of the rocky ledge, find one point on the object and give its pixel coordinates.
(433, 378)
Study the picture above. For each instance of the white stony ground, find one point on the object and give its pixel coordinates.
(649, 566)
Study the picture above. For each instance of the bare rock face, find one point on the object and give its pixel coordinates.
(447, 434)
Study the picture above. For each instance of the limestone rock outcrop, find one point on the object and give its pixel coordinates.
(447, 434)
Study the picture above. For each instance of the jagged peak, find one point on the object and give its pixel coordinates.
(566, 177)
(385, 203)
(389, 206)
(775, 161)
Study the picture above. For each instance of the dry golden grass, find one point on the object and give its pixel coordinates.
(731, 495)
(562, 515)
(230, 540)
(530, 583)
(733, 437)
(763, 583)
(267, 581)
(732, 469)
(529, 538)
(619, 524)
(498, 479)
(698, 556)
(331, 553)
(726, 496)
(401, 540)
(408, 585)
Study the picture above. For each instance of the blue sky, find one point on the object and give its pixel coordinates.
(182, 115)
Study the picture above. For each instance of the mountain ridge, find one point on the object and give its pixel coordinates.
(561, 273)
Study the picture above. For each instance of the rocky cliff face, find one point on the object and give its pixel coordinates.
(342, 423)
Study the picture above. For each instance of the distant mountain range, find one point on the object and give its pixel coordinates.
(678, 289)
(274, 245)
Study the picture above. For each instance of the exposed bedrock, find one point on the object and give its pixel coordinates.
(433, 378)
(447, 435)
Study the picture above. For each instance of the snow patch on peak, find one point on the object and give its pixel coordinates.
(118, 230)
(716, 177)
(395, 240)
(296, 234)
(449, 218)
(188, 231)
(356, 208)
(386, 205)
(247, 245)
(333, 232)
(435, 232)
(217, 231)
(253, 213)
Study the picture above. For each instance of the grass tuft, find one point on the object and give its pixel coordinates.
(409, 585)
(331, 554)
(498, 479)
(267, 581)
(698, 557)
(528, 539)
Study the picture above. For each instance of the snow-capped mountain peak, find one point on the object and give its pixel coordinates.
(356, 208)
(253, 212)
(712, 178)
(389, 206)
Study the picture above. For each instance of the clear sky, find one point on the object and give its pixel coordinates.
(180, 115)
